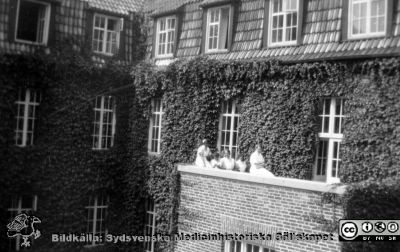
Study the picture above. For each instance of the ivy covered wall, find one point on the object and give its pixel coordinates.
(279, 104)
(61, 168)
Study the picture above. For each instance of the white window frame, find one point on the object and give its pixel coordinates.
(331, 138)
(284, 27)
(26, 103)
(15, 211)
(97, 143)
(207, 50)
(155, 112)
(243, 247)
(95, 207)
(120, 24)
(45, 26)
(151, 214)
(232, 116)
(167, 33)
(368, 33)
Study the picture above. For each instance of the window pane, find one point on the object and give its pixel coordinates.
(280, 21)
(288, 20)
(322, 157)
(294, 34)
(224, 28)
(162, 25)
(238, 246)
(280, 35)
(26, 202)
(327, 106)
(249, 247)
(337, 128)
(275, 22)
(235, 124)
(112, 25)
(277, 6)
(30, 21)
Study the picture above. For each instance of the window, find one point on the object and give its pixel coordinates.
(106, 34)
(33, 18)
(367, 18)
(21, 204)
(284, 19)
(155, 126)
(97, 214)
(229, 127)
(327, 166)
(150, 227)
(27, 102)
(165, 43)
(218, 29)
(238, 246)
(104, 122)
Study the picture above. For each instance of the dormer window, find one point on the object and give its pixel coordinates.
(367, 18)
(106, 34)
(283, 22)
(218, 29)
(33, 18)
(166, 36)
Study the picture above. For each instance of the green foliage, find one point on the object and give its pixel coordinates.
(61, 168)
(279, 104)
(279, 109)
(375, 200)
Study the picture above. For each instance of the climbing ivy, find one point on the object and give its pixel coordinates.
(61, 168)
(279, 108)
(279, 104)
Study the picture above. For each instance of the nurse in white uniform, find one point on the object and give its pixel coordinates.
(257, 163)
(203, 152)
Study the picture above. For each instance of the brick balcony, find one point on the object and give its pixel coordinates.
(219, 201)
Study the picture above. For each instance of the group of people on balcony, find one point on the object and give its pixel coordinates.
(206, 159)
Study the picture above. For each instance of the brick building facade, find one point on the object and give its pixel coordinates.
(229, 202)
(63, 119)
(294, 33)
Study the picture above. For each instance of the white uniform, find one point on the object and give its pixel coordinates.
(201, 159)
(227, 163)
(257, 165)
(241, 165)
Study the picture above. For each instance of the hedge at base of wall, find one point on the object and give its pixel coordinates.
(374, 200)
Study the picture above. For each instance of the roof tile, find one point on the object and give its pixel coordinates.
(122, 7)
(321, 33)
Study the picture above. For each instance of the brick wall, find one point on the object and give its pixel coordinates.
(222, 201)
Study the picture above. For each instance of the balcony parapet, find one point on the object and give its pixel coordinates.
(274, 181)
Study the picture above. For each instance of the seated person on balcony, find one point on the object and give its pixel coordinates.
(240, 164)
(215, 162)
(227, 162)
(257, 162)
(203, 153)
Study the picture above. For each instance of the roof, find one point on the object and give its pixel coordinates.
(321, 34)
(155, 7)
(123, 7)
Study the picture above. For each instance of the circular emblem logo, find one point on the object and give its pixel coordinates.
(392, 227)
(349, 230)
(380, 227)
(367, 227)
